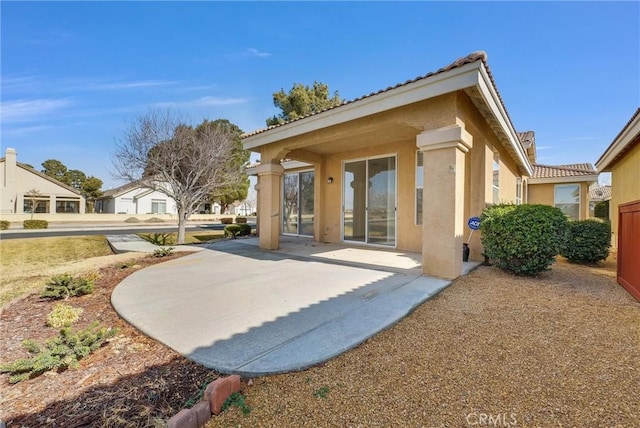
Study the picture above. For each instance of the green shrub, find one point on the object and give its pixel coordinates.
(63, 315)
(65, 286)
(236, 400)
(162, 252)
(4, 224)
(233, 230)
(241, 220)
(154, 220)
(523, 239)
(35, 224)
(58, 353)
(601, 210)
(132, 220)
(587, 241)
(226, 220)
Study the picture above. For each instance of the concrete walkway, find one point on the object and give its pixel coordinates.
(131, 242)
(242, 310)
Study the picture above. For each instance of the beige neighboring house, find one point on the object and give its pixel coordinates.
(18, 180)
(598, 194)
(402, 168)
(622, 159)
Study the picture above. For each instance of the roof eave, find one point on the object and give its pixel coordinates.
(619, 144)
(430, 87)
(559, 180)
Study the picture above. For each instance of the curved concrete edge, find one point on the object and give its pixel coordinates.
(319, 345)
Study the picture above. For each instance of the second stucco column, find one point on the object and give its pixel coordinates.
(269, 203)
(444, 151)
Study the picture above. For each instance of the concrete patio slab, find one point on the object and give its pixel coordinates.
(242, 310)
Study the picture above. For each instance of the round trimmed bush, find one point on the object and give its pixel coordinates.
(523, 239)
(587, 241)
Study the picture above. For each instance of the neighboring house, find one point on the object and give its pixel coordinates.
(597, 195)
(404, 168)
(563, 186)
(622, 159)
(18, 180)
(136, 198)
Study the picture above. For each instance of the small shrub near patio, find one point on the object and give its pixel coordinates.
(587, 241)
(226, 220)
(65, 286)
(35, 224)
(132, 220)
(241, 220)
(601, 210)
(523, 239)
(234, 230)
(4, 224)
(162, 252)
(63, 316)
(58, 353)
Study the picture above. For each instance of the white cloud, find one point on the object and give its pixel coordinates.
(202, 102)
(256, 52)
(24, 131)
(26, 110)
(129, 85)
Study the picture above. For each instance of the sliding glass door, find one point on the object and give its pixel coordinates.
(369, 204)
(298, 205)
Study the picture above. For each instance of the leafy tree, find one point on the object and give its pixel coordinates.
(91, 190)
(185, 163)
(74, 178)
(54, 168)
(301, 101)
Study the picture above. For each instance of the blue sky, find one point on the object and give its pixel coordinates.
(74, 75)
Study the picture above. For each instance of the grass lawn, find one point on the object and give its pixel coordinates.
(190, 237)
(25, 264)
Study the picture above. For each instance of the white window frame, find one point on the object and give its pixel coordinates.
(555, 202)
(495, 181)
(518, 190)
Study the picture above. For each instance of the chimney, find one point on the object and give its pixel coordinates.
(9, 181)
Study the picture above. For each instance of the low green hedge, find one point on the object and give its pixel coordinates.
(233, 230)
(523, 239)
(587, 241)
(4, 224)
(35, 224)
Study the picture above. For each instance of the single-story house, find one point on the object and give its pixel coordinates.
(403, 168)
(24, 189)
(622, 159)
(136, 198)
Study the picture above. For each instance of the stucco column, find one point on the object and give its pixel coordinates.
(444, 151)
(269, 204)
(481, 188)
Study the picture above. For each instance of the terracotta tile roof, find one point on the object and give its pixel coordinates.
(561, 171)
(602, 193)
(527, 138)
(473, 57)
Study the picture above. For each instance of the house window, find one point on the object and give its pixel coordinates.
(496, 178)
(567, 198)
(39, 206)
(67, 206)
(158, 206)
(518, 191)
(419, 185)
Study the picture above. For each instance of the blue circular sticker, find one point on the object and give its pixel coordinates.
(474, 223)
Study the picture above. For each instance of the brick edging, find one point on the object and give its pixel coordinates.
(215, 395)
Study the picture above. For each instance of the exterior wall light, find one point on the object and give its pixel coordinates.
(329, 180)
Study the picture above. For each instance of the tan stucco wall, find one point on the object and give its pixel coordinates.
(544, 194)
(625, 187)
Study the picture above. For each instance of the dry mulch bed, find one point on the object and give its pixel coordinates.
(131, 381)
(493, 349)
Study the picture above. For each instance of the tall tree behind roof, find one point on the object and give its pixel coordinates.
(301, 101)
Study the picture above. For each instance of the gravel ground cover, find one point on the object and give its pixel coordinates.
(560, 350)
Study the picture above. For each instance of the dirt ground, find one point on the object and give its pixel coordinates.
(133, 381)
(561, 350)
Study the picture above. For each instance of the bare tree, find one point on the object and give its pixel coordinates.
(33, 196)
(185, 163)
